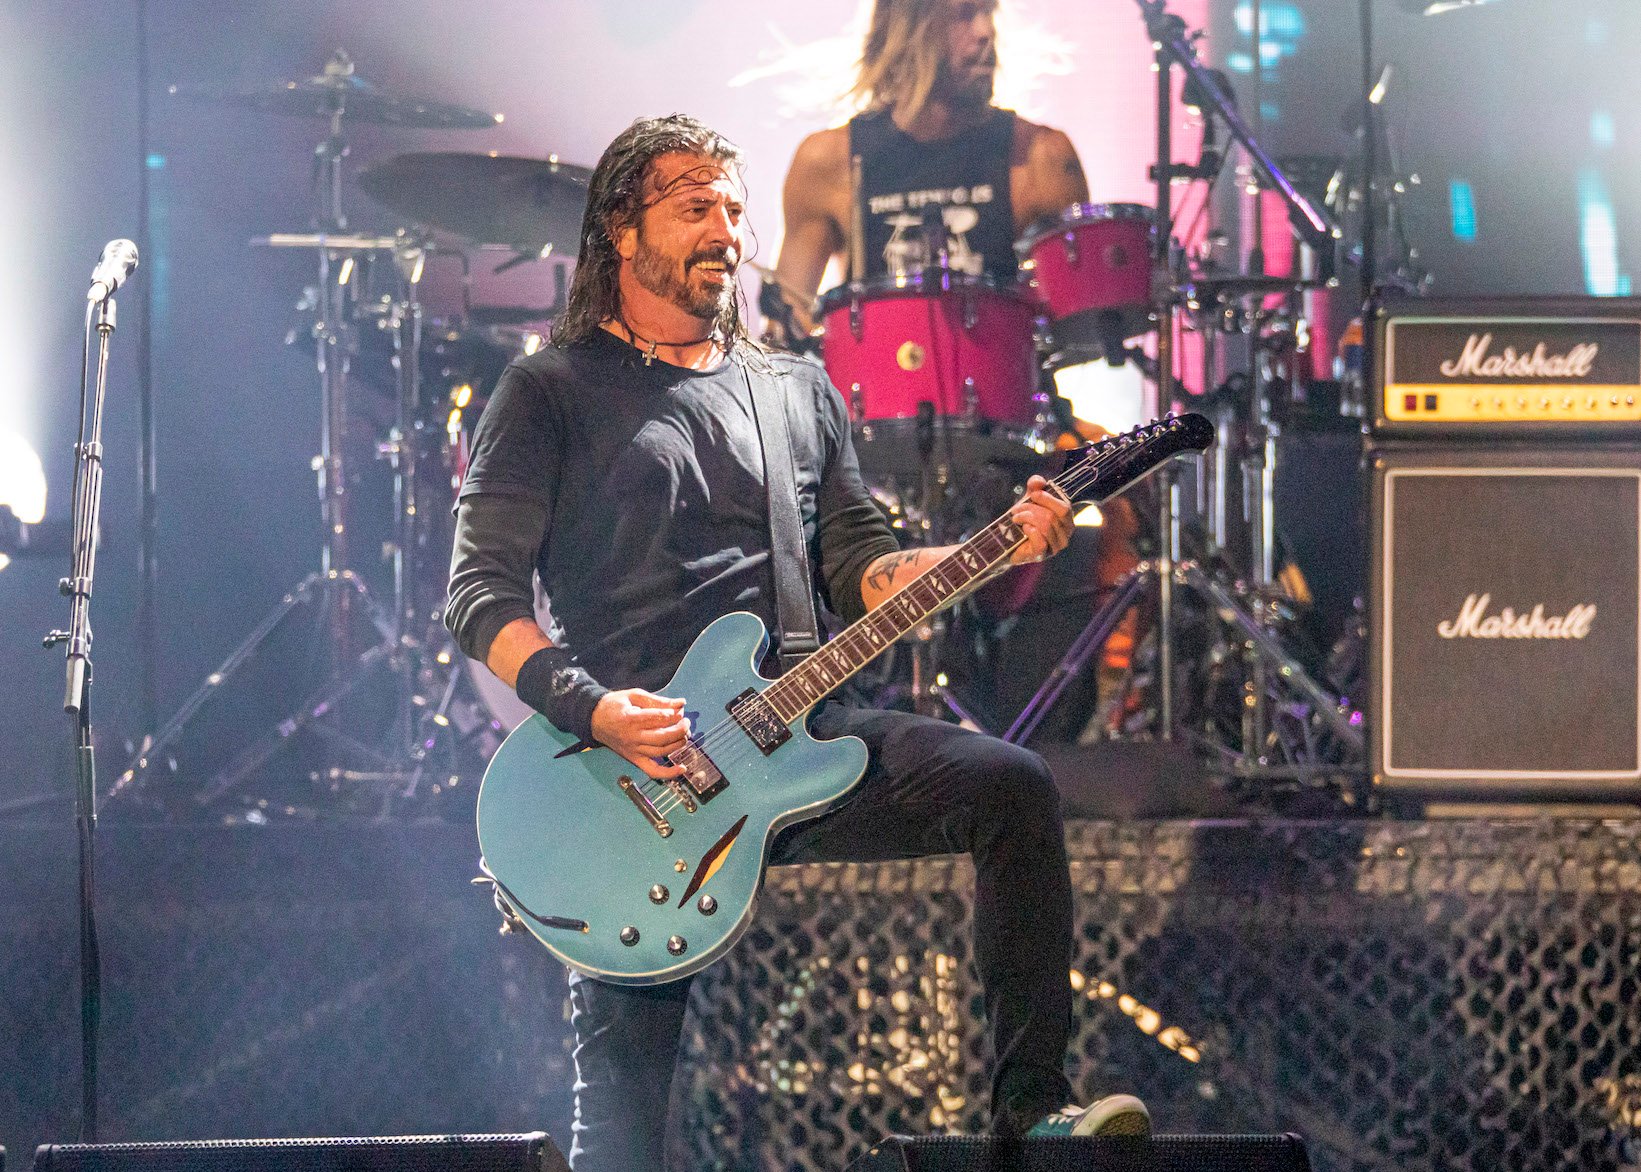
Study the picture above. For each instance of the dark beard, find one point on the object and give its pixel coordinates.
(660, 274)
(964, 94)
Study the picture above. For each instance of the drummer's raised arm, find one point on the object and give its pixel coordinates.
(815, 195)
(1051, 178)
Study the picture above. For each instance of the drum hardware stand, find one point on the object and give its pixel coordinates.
(335, 588)
(1173, 47)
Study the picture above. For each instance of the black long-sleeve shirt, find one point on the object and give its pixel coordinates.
(637, 493)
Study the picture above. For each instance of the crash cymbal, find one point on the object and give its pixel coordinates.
(1201, 288)
(529, 205)
(339, 92)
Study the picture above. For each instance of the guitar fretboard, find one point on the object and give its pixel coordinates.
(1104, 468)
(805, 685)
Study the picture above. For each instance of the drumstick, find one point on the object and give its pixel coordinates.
(857, 224)
(795, 304)
(771, 277)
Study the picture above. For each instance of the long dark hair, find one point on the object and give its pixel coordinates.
(617, 195)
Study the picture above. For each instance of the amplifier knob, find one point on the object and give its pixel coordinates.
(707, 904)
(629, 935)
(676, 945)
(658, 894)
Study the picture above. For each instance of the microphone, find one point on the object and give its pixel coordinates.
(119, 259)
(936, 238)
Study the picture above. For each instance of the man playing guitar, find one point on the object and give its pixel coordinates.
(623, 465)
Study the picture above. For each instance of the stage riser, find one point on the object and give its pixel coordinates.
(1456, 995)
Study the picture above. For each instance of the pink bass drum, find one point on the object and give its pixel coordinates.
(936, 368)
(1091, 270)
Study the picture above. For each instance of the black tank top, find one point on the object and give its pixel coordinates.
(904, 182)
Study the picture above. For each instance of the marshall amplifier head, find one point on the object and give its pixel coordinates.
(1506, 646)
(1564, 367)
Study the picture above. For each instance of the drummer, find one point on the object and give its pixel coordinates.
(931, 138)
(937, 159)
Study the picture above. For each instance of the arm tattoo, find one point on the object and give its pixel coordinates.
(883, 571)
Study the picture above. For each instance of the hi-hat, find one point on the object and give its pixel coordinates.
(1209, 288)
(338, 92)
(529, 205)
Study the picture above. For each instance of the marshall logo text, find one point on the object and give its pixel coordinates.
(1427, 353)
(1475, 623)
(1476, 362)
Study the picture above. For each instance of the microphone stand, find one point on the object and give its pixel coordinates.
(87, 506)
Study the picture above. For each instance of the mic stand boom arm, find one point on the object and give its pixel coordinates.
(1168, 35)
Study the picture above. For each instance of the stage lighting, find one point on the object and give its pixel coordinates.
(22, 482)
(1437, 7)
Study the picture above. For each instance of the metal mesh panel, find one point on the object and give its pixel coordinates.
(1446, 995)
(1455, 996)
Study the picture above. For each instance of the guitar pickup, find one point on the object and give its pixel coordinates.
(758, 721)
(701, 777)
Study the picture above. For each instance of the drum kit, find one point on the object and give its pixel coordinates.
(949, 382)
(397, 714)
(948, 379)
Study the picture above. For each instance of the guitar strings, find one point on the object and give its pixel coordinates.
(1070, 482)
(1091, 467)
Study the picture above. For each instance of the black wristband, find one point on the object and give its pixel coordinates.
(560, 689)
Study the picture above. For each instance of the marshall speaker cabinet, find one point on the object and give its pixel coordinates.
(1506, 549)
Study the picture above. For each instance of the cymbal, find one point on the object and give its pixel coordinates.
(339, 92)
(1250, 286)
(526, 204)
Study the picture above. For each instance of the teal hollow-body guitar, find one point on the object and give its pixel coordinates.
(638, 881)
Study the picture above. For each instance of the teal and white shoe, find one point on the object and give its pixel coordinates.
(1112, 1115)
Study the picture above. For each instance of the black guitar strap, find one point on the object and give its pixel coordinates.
(789, 556)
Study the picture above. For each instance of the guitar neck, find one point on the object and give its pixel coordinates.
(1104, 468)
(826, 670)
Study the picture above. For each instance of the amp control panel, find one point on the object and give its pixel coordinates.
(1542, 367)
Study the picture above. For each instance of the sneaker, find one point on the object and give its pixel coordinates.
(1112, 1115)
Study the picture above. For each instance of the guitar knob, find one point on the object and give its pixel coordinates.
(707, 904)
(676, 945)
(629, 935)
(658, 894)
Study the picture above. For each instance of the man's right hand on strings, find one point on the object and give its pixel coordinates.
(642, 728)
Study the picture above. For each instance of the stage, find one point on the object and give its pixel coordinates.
(1448, 994)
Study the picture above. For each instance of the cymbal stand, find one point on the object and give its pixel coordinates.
(1270, 661)
(335, 588)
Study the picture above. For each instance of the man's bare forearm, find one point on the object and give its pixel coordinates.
(514, 643)
(892, 571)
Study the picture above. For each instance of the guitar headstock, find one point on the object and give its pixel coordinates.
(1108, 466)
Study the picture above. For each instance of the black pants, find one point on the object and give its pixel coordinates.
(930, 788)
